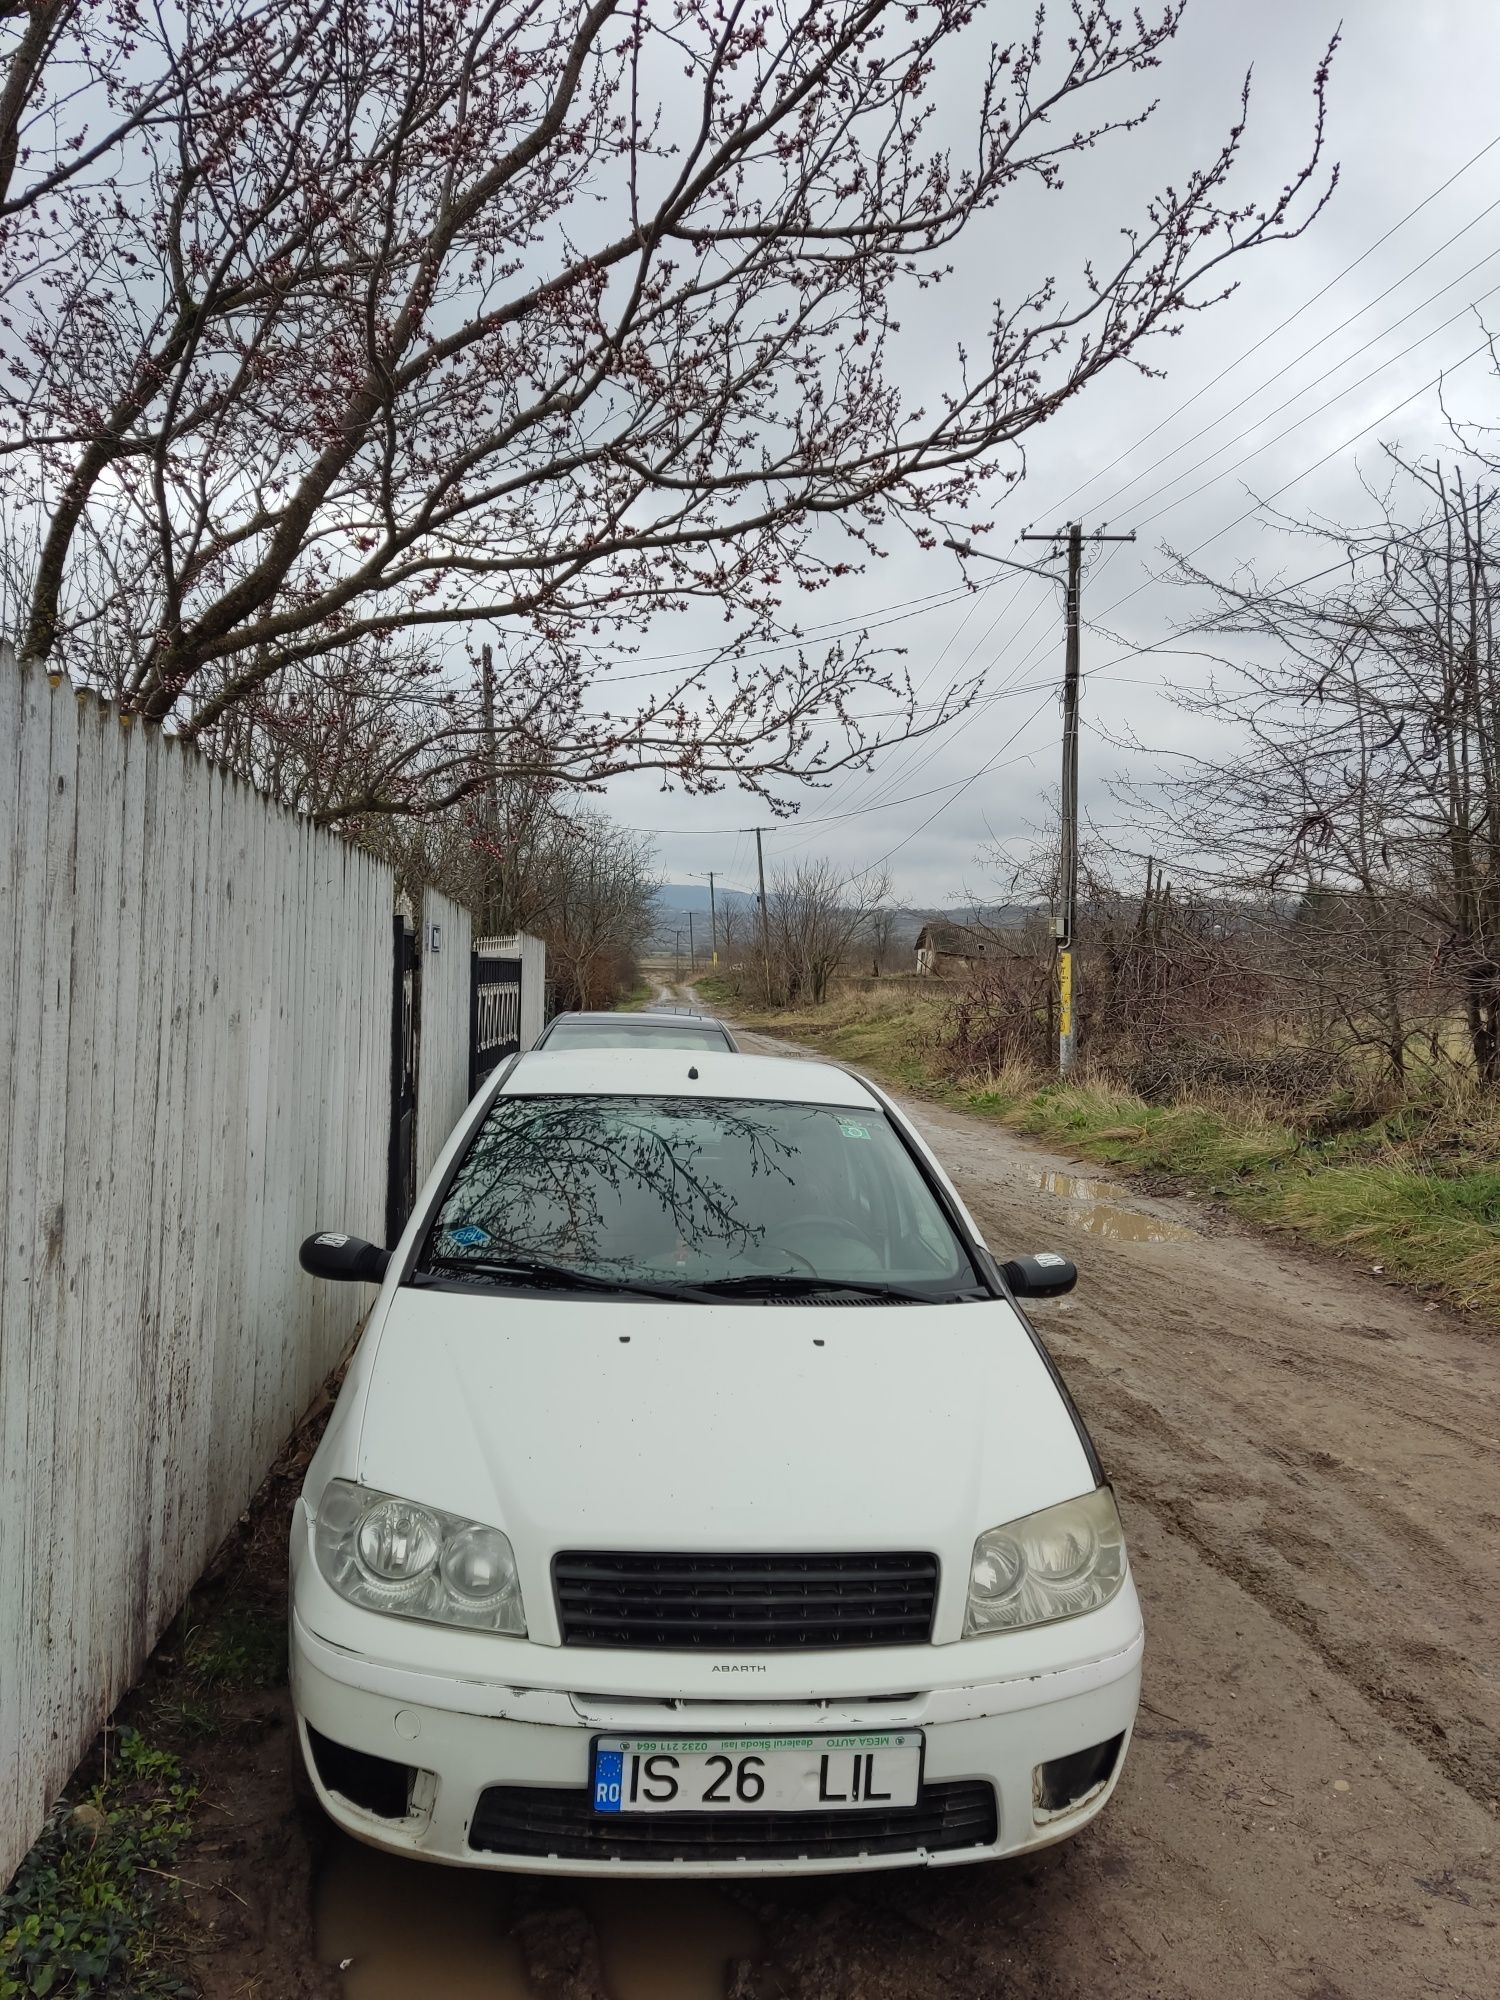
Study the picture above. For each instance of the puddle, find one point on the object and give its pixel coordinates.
(1099, 1216)
(666, 1940)
(413, 1929)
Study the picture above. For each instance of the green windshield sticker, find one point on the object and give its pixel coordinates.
(852, 1131)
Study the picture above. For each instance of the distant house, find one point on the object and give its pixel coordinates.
(943, 945)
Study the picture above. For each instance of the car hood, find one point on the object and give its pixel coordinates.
(612, 1424)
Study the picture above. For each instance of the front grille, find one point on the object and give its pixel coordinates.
(541, 1821)
(743, 1603)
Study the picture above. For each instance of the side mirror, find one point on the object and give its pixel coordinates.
(1044, 1276)
(330, 1254)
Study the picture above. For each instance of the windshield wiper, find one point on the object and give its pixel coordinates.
(792, 1284)
(753, 1284)
(517, 1265)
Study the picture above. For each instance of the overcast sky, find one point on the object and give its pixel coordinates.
(1412, 100)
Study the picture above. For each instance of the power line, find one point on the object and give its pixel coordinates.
(1008, 692)
(903, 609)
(1282, 325)
(830, 631)
(963, 785)
(973, 779)
(903, 765)
(1302, 474)
(1343, 445)
(822, 819)
(1160, 645)
(1297, 396)
(1333, 369)
(907, 767)
(827, 633)
(856, 782)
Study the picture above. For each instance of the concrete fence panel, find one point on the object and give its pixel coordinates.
(195, 1036)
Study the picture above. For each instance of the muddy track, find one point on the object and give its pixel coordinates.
(1309, 1456)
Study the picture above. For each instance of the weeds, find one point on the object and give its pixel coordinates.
(239, 1647)
(90, 1910)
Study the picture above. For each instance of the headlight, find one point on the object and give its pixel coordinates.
(1051, 1565)
(389, 1554)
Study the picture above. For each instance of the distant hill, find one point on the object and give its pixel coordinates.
(997, 917)
(675, 899)
(684, 896)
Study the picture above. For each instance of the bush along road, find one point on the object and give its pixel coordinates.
(1412, 1186)
(1304, 1457)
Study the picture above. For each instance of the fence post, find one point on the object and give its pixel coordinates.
(405, 1047)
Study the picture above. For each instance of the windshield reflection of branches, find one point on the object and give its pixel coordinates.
(540, 1168)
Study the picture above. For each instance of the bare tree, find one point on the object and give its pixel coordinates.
(814, 918)
(734, 931)
(880, 934)
(1367, 790)
(529, 859)
(603, 909)
(364, 323)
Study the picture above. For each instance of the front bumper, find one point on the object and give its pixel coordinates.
(468, 1748)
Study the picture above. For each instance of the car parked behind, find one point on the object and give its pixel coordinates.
(656, 1028)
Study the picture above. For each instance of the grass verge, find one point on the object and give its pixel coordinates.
(1415, 1192)
(639, 996)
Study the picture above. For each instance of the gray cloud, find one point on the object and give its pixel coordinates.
(1411, 101)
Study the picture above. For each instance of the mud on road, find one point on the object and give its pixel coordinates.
(1306, 1461)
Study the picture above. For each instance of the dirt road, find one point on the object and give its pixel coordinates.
(1307, 1463)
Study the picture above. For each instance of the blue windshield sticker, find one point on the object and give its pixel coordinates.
(469, 1235)
(851, 1131)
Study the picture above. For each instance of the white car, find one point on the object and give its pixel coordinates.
(700, 1502)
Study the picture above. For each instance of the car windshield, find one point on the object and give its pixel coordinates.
(752, 1196)
(635, 1035)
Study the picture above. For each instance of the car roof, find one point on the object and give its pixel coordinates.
(617, 1019)
(664, 1073)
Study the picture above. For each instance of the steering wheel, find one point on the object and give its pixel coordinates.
(764, 1250)
(822, 1219)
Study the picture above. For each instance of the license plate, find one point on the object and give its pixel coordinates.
(736, 1774)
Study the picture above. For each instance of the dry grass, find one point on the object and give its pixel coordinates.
(888, 1026)
(1414, 1187)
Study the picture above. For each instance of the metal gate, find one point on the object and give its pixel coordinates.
(406, 1026)
(494, 1014)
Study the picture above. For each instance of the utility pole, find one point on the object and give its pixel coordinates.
(692, 948)
(765, 928)
(1065, 921)
(677, 947)
(713, 919)
(492, 782)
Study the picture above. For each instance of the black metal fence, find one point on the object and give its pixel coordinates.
(406, 1036)
(494, 1014)
(494, 1034)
